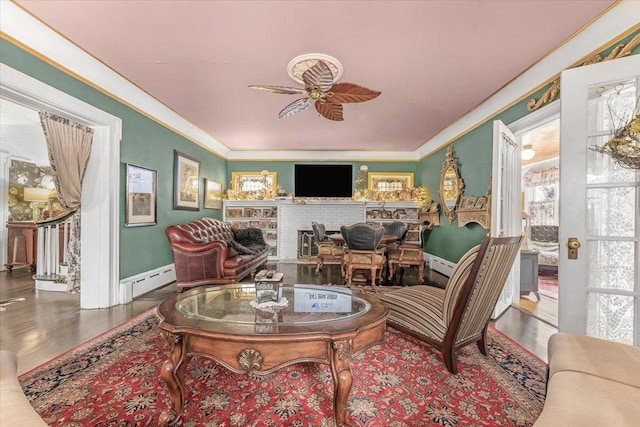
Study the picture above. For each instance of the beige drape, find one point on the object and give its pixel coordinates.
(69, 147)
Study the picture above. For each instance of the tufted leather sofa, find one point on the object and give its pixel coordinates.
(209, 251)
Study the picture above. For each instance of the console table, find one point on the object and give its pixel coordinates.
(22, 244)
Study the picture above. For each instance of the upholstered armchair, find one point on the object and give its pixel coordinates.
(362, 252)
(457, 315)
(327, 248)
(396, 228)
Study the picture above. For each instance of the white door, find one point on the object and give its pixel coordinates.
(599, 204)
(505, 201)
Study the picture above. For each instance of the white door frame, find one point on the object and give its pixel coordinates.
(525, 125)
(573, 296)
(505, 212)
(100, 239)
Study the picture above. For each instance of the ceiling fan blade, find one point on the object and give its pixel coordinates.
(330, 110)
(295, 107)
(280, 89)
(350, 92)
(319, 75)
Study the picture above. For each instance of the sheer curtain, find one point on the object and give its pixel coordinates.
(69, 147)
(541, 195)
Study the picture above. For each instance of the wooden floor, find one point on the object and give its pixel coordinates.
(41, 325)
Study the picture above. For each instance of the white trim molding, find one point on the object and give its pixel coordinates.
(101, 186)
(134, 286)
(20, 25)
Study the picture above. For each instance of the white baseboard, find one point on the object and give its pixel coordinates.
(50, 285)
(440, 265)
(142, 283)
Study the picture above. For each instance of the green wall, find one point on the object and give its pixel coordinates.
(284, 169)
(474, 153)
(149, 144)
(144, 143)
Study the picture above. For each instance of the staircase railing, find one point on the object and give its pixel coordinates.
(53, 241)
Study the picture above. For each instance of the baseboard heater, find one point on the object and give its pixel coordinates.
(440, 265)
(140, 284)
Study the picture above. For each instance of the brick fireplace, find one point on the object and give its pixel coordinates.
(295, 218)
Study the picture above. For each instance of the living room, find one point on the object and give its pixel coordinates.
(121, 255)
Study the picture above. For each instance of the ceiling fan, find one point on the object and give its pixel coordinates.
(320, 89)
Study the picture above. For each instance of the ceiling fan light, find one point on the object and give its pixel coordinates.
(301, 63)
(528, 152)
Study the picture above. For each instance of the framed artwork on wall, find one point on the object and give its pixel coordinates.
(186, 182)
(212, 194)
(141, 196)
(468, 202)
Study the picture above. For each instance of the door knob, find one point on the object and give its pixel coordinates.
(573, 246)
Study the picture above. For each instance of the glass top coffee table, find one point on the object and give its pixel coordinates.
(302, 323)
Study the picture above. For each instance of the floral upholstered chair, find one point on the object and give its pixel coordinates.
(327, 248)
(362, 251)
(457, 315)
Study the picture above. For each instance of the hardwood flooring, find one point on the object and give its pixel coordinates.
(41, 325)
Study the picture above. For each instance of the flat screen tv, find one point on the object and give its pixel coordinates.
(323, 180)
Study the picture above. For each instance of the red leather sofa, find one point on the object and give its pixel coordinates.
(209, 251)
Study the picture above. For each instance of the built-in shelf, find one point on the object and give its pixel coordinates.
(257, 214)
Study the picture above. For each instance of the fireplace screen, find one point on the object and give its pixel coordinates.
(307, 249)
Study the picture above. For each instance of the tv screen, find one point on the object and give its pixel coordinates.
(323, 181)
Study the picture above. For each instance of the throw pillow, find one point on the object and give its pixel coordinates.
(249, 236)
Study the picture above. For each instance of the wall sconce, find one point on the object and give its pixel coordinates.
(528, 152)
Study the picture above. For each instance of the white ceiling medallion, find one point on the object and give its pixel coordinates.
(302, 63)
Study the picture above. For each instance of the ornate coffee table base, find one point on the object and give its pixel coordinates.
(321, 324)
(250, 361)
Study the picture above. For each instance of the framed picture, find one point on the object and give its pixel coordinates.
(186, 182)
(141, 196)
(212, 194)
(468, 202)
(481, 203)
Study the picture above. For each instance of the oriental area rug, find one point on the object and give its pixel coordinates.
(114, 380)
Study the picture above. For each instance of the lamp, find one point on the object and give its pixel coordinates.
(36, 195)
(527, 152)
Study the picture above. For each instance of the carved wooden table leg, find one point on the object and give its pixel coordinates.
(172, 372)
(342, 379)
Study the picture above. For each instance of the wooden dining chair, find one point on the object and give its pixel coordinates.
(327, 248)
(457, 315)
(407, 255)
(362, 251)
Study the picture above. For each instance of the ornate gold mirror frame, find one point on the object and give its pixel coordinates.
(253, 185)
(390, 181)
(451, 186)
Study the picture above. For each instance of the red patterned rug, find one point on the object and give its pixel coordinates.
(114, 380)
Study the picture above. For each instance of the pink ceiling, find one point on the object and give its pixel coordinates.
(434, 61)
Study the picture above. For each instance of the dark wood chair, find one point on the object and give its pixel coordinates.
(362, 251)
(407, 255)
(327, 248)
(458, 315)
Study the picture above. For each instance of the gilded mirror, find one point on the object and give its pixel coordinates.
(390, 181)
(451, 186)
